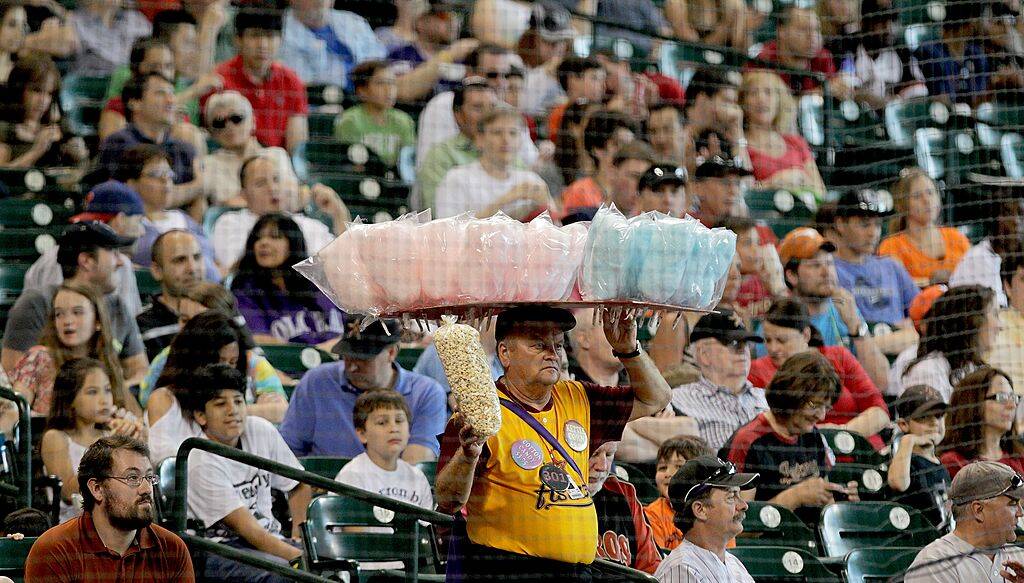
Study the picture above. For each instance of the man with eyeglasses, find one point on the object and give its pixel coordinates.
(722, 400)
(114, 539)
(986, 499)
(706, 495)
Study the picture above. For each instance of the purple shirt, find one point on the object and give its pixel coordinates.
(284, 318)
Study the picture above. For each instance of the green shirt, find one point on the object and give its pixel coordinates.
(440, 158)
(357, 126)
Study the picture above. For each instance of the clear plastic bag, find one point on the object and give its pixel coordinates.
(606, 257)
(547, 271)
(664, 257)
(339, 271)
(391, 252)
(493, 257)
(442, 267)
(706, 271)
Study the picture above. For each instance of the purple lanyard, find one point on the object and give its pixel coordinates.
(540, 429)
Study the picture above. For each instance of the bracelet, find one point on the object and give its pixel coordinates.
(633, 354)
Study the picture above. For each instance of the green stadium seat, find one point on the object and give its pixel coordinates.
(783, 565)
(871, 480)
(846, 526)
(1011, 150)
(26, 245)
(327, 155)
(28, 180)
(850, 124)
(13, 554)
(212, 214)
(20, 213)
(903, 118)
(878, 564)
(407, 357)
(329, 95)
(429, 470)
(782, 209)
(768, 524)
(920, 11)
(82, 99)
(646, 490)
(955, 155)
(850, 446)
(323, 465)
(295, 359)
(148, 285)
(321, 125)
(360, 190)
(165, 490)
(915, 35)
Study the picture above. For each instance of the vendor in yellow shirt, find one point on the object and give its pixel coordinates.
(527, 513)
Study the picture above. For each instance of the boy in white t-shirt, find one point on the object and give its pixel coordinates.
(233, 500)
(381, 419)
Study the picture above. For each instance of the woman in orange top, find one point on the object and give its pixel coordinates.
(929, 252)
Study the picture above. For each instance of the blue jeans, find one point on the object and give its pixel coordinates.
(220, 568)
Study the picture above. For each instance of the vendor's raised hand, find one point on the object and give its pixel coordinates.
(472, 442)
(620, 332)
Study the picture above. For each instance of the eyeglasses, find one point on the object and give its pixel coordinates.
(812, 406)
(165, 175)
(222, 122)
(1004, 398)
(134, 481)
(726, 469)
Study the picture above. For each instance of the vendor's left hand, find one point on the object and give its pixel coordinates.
(621, 334)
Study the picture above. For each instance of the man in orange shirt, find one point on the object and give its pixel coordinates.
(627, 166)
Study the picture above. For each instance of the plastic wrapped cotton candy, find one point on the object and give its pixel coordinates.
(547, 253)
(708, 264)
(493, 259)
(346, 280)
(441, 257)
(606, 257)
(391, 252)
(665, 256)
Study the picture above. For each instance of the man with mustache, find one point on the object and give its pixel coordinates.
(115, 533)
(705, 493)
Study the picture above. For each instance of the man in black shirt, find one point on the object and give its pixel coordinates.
(177, 264)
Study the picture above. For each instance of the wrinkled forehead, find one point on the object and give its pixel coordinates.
(531, 331)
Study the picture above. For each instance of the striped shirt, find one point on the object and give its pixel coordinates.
(951, 559)
(689, 563)
(718, 411)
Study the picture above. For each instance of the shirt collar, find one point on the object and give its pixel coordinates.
(709, 388)
(91, 542)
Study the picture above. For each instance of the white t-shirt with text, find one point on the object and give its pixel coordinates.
(407, 483)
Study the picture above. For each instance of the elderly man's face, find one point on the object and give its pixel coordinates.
(531, 353)
(371, 373)
(723, 511)
(999, 517)
(730, 362)
(601, 466)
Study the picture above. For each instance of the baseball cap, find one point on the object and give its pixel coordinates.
(706, 471)
(720, 167)
(725, 327)
(551, 22)
(368, 343)
(88, 234)
(803, 243)
(862, 203)
(919, 401)
(661, 174)
(922, 303)
(108, 199)
(983, 480)
(537, 315)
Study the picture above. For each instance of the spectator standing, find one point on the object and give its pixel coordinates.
(381, 420)
(319, 419)
(323, 44)
(672, 455)
(639, 15)
(883, 68)
(177, 265)
(980, 264)
(543, 48)
(580, 79)
(1007, 351)
(279, 304)
(115, 533)
(100, 37)
(15, 29)
(916, 477)
(981, 414)
(375, 122)
(928, 251)
(713, 22)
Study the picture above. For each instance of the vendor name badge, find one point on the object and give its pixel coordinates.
(527, 454)
(576, 435)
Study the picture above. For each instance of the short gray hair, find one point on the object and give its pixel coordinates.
(223, 99)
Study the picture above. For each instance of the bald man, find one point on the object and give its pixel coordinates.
(177, 263)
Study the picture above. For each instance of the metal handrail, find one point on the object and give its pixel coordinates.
(23, 490)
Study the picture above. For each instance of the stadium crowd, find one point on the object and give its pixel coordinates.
(232, 140)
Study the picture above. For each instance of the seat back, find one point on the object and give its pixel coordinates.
(429, 470)
(852, 447)
(13, 554)
(20, 213)
(782, 209)
(295, 359)
(783, 565)
(640, 478)
(166, 486)
(767, 524)
(324, 465)
(878, 564)
(847, 526)
(340, 528)
(148, 285)
(870, 479)
(26, 245)
(82, 99)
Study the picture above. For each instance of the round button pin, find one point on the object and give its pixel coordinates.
(527, 454)
(576, 435)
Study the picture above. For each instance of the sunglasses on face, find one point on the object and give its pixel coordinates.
(222, 122)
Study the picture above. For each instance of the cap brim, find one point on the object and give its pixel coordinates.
(928, 409)
(738, 480)
(663, 181)
(345, 348)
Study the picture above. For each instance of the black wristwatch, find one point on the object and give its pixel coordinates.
(633, 354)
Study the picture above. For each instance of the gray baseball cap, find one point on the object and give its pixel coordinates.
(983, 480)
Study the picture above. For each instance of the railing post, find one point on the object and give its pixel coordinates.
(24, 443)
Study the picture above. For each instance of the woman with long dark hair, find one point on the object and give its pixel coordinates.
(979, 422)
(279, 304)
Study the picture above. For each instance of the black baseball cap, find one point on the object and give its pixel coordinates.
(88, 234)
(725, 327)
(368, 343)
(919, 401)
(661, 174)
(706, 470)
(862, 203)
(537, 315)
(720, 167)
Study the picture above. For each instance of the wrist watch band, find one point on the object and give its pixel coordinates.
(634, 354)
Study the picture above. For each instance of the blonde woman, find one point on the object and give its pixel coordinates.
(929, 251)
(780, 157)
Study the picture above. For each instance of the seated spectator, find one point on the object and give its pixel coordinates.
(623, 535)
(710, 22)
(177, 265)
(1005, 236)
(759, 264)
(31, 132)
(324, 45)
(665, 132)
(84, 409)
(319, 419)
(663, 189)
(980, 422)
(959, 329)
(787, 331)
(954, 65)
(672, 455)
(381, 421)
(429, 365)
(916, 477)
(798, 46)
(278, 303)
(88, 259)
(709, 495)
(1007, 351)
(929, 252)
(780, 158)
(233, 499)
(643, 17)
(375, 122)
(115, 532)
(471, 101)
(784, 444)
(492, 183)
(100, 37)
(839, 23)
(276, 92)
(15, 27)
(723, 400)
(602, 134)
(210, 337)
(122, 210)
(883, 69)
(986, 497)
(229, 118)
(265, 191)
(713, 103)
(27, 522)
(543, 48)
(150, 102)
(717, 190)
(580, 79)
(628, 165)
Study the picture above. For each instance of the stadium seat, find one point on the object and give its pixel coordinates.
(955, 156)
(407, 357)
(295, 359)
(646, 490)
(1011, 150)
(327, 155)
(12, 281)
(212, 214)
(323, 465)
(82, 99)
(768, 524)
(321, 126)
(903, 118)
(850, 124)
(878, 564)
(13, 554)
(916, 35)
(846, 526)
(871, 480)
(148, 285)
(165, 487)
(850, 446)
(20, 213)
(26, 245)
(360, 191)
(325, 95)
(783, 210)
(920, 11)
(429, 470)
(783, 565)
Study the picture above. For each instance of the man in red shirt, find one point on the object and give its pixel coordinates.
(114, 538)
(798, 45)
(277, 95)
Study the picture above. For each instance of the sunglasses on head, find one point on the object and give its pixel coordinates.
(1015, 482)
(222, 122)
(725, 470)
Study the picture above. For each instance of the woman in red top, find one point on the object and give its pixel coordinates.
(979, 422)
(787, 331)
